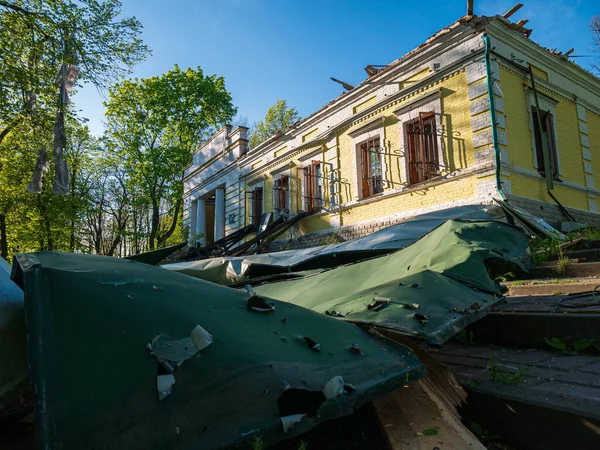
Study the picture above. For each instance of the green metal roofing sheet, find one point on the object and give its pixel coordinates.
(430, 289)
(103, 333)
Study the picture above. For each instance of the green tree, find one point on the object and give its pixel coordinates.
(40, 39)
(153, 125)
(38, 36)
(278, 118)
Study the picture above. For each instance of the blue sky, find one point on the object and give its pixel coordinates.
(289, 49)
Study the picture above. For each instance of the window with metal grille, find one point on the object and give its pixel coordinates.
(371, 169)
(256, 204)
(547, 134)
(281, 193)
(422, 158)
(333, 187)
(313, 187)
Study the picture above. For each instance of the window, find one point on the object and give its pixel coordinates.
(256, 199)
(333, 187)
(281, 193)
(313, 187)
(370, 167)
(422, 157)
(546, 133)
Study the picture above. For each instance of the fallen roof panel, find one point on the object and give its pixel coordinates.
(106, 336)
(431, 289)
(14, 370)
(231, 270)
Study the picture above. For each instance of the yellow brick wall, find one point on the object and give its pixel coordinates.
(427, 197)
(529, 188)
(569, 144)
(364, 105)
(593, 123)
(312, 224)
(521, 153)
(455, 126)
(517, 120)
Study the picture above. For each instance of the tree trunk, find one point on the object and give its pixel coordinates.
(154, 225)
(73, 211)
(169, 233)
(3, 241)
(46, 226)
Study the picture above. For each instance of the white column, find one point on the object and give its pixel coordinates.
(193, 217)
(219, 213)
(201, 220)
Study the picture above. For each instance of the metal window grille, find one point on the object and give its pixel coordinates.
(281, 192)
(256, 204)
(371, 167)
(313, 187)
(422, 149)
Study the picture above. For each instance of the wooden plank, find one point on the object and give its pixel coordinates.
(512, 10)
(408, 416)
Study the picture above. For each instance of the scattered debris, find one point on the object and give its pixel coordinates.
(378, 303)
(164, 384)
(259, 304)
(421, 318)
(312, 344)
(288, 422)
(355, 348)
(334, 388)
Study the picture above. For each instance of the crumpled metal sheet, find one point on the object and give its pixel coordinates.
(153, 257)
(89, 322)
(431, 289)
(232, 270)
(14, 371)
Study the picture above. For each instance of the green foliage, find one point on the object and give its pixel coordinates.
(430, 432)
(330, 240)
(153, 126)
(278, 118)
(578, 346)
(302, 445)
(38, 38)
(466, 337)
(258, 443)
(504, 374)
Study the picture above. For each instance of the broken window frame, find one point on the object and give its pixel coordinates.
(256, 197)
(547, 105)
(369, 151)
(421, 144)
(312, 187)
(281, 193)
(548, 133)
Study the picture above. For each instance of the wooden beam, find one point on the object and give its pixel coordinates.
(470, 7)
(522, 22)
(425, 414)
(570, 51)
(512, 10)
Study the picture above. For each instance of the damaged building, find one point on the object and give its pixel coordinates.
(477, 112)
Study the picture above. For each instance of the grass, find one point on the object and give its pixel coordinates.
(578, 346)
(258, 443)
(538, 282)
(330, 240)
(499, 373)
